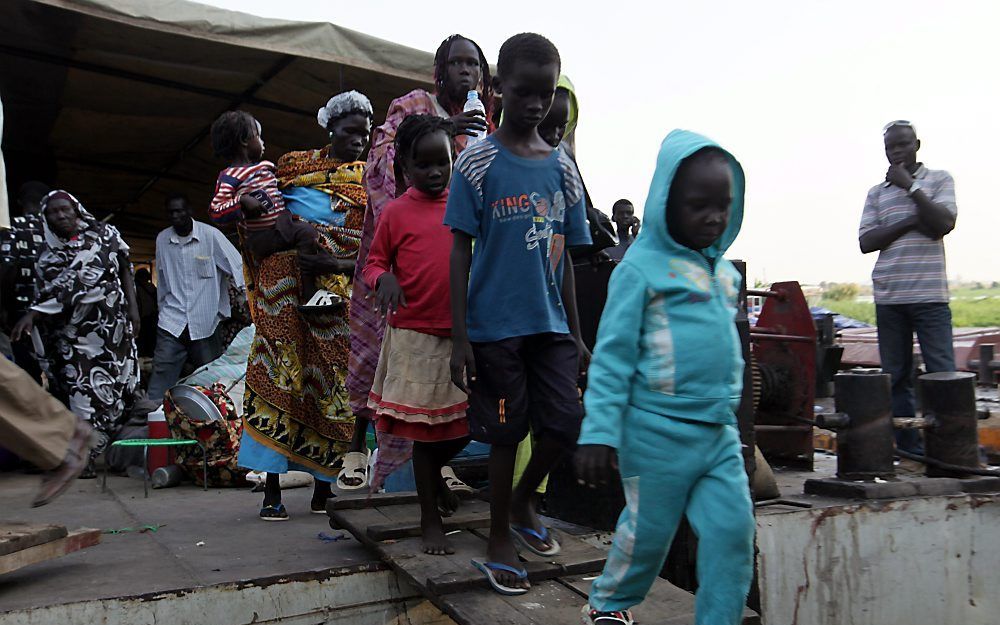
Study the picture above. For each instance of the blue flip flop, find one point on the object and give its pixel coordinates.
(544, 536)
(487, 568)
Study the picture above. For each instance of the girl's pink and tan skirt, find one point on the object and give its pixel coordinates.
(413, 395)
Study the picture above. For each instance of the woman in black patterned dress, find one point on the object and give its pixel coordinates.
(86, 312)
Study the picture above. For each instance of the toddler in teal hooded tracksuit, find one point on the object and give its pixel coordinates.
(665, 380)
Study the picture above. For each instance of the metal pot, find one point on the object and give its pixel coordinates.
(193, 403)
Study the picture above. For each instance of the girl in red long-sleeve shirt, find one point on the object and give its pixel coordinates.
(413, 396)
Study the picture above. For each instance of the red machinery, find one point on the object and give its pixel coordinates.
(783, 345)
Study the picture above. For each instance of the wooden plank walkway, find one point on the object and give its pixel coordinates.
(390, 525)
(22, 544)
(18, 536)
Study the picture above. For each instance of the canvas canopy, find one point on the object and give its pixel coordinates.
(112, 100)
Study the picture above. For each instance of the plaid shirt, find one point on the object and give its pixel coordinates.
(911, 270)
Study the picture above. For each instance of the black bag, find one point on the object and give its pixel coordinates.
(601, 229)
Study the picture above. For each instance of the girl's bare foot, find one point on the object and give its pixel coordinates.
(436, 543)
(321, 492)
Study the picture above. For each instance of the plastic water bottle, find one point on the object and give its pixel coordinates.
(165, 477)
(473, 103)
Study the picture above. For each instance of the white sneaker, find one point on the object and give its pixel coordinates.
(593, 617)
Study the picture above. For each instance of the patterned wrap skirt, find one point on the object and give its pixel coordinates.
(296, 402)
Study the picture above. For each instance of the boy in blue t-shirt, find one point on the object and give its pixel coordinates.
(517, 347)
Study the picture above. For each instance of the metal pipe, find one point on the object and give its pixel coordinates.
(781, 502)
(786, 338)
(985, 360)
(782, 428)
(759, 293)
(944, 465)
(832, 420)
(949, 400)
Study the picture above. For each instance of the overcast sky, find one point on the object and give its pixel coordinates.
(797, 90)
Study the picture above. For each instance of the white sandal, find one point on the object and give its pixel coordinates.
(451, 480)
(355, 466)
(322, 301)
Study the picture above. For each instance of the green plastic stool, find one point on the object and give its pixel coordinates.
(146, 443)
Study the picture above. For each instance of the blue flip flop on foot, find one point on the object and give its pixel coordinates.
(488, 568)
(544, 536)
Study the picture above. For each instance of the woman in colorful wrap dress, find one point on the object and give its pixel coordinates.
(297, 415)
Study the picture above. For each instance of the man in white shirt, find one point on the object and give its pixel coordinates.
(194, 264)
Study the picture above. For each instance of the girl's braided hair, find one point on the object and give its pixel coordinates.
(441, 77)
(414, 128)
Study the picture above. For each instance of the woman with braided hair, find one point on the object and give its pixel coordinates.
(459, 67)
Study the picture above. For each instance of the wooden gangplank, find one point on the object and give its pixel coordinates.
(22, 544)
(389, 524)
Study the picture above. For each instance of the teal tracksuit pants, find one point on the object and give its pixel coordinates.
(671, 467)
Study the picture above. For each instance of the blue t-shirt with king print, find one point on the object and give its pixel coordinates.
(523, 214)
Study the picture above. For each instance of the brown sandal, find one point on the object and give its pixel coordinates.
(56, 481)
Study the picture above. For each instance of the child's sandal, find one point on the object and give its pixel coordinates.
(454, 484)
(323, 301)
(489, 569)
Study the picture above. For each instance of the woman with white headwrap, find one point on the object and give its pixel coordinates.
(324, 186)
(87, 316)
(297, 415)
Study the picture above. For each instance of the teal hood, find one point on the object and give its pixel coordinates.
(667, 344)
(654, 244)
